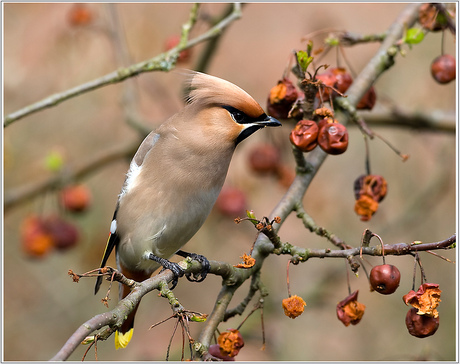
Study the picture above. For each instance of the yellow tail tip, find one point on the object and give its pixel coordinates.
(122, 340)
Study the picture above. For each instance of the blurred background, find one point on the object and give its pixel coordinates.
(49, 48)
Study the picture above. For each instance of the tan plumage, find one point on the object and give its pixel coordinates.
(176, 176)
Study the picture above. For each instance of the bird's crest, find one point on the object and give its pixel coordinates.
(207, 90)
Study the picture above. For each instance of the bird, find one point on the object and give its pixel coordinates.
(175, 178)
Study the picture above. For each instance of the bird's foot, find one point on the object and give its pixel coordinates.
(206, 267)
(177, 270)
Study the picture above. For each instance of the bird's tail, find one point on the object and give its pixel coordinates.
(124, 334)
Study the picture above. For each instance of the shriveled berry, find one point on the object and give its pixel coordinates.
(368, 100)
(281, 98)
(264, 158)
(443, 69)
(431, 19)
(421, 325)
(304, 135)
(337, 78)
(385, 278)
(214, 350)
(333, 138)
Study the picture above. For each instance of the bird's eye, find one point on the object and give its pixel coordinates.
(238, 116)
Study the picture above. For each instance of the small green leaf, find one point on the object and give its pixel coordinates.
(54, 161)
(198, 318)
(304, 60)
(250, 214)
(414, 36)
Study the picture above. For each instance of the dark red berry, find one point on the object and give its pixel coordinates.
(421, 325)
(443, 69)
(385, 278)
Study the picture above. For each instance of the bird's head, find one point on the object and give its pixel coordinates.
(225, 107)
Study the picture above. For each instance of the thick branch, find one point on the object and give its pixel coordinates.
(163, 62)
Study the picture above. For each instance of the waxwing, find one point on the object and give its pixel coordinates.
(175, 177)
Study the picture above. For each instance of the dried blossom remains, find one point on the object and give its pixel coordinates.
(349, 310)
(293, 306)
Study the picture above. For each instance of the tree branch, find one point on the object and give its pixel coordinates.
(163, 62)
(262, 248)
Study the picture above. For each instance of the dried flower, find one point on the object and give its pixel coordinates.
(430, 19)
(366, 207)
(248, 261)
(230, 342)
(372, 185)
(293, 306)
(349, 310)
(425, 300)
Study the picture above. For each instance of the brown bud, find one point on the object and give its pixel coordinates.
(443, 69)
(421, 325)
(304, 135)
(333, 138)
(385, 278)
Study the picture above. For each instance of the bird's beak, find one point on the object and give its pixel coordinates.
(269, 121)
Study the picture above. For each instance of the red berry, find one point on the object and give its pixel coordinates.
(64, 234)
(443, 69)
(281, 98)
(231, 201)
(338, 78)
(80, 15)
(171, 42)
(421, 325)
(333, 138)
(75, 198)
(385, 278)
(214, 350)
(36, 239)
